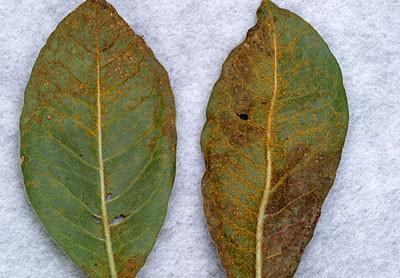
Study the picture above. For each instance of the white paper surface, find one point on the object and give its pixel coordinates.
(358, 235)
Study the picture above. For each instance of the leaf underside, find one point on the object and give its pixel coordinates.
(276, 124)
(98, 141)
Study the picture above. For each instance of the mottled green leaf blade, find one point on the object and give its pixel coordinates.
(276, 124)
(98, 141)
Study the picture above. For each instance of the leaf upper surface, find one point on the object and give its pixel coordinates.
(276, 124)
(98, 141)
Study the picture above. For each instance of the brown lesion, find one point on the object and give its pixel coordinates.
(293, 212)
(292, 159)
(238, 131)
(302, 174)
(131, 268)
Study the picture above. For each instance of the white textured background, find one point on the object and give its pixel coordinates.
(359, 231)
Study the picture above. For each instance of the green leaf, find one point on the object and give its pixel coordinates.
(276, 124)
(98, 141)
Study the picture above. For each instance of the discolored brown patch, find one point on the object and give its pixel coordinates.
(276, 124)
(130, 269)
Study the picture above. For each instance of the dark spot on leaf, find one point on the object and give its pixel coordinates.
(80, 155)
(108, 196)
(243, 116)
(118, 220)
(96, 219)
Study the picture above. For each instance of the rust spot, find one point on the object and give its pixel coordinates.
(236, 141)
(62, 88)
(130, 269)
(37, 119)
(238, 133)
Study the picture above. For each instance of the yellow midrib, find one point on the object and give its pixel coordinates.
(268, 178)
(104, 214)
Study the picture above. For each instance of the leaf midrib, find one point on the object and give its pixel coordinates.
(104, 214)
(268, 157)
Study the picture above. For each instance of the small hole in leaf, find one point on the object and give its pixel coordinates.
(96, 219)
(243, 116)
(118, 220)
(108, 196)
(80, 155)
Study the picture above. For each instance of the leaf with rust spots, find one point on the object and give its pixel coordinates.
(276, 125)
(98, 141)
(130, 269)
